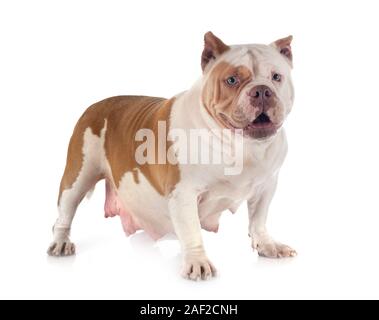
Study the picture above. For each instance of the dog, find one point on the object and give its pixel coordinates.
(245, 90)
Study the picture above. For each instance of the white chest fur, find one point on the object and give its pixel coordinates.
(219, 192)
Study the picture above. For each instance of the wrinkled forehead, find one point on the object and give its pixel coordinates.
(254, 56)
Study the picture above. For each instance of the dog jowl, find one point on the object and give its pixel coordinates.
(238, 106)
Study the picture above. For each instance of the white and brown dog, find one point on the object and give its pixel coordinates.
(245, 89)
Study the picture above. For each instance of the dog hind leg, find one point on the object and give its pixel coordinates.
(83, 170)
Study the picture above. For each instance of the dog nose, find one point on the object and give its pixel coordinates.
(260, 93)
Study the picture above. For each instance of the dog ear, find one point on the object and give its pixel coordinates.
(213, 47)
(284, 47)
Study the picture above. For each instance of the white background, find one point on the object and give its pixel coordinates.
(58, 57)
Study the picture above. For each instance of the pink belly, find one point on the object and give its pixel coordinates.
(211, 222)
(114, 207)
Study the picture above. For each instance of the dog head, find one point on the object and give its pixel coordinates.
(247, 87)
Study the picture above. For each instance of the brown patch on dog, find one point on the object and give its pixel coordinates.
(219, 97)
(131, 114)
(92, 118)
(125, 115)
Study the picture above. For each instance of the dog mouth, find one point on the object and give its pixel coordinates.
(261, 127)
(262, 120)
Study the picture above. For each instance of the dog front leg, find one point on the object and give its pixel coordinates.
(185, 219)
(258, 207)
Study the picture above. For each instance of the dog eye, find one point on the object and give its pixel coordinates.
(276, 77)
(232, 81)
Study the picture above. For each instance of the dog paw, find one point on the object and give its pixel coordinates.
(61, 248)
(271, 249)
(198, 268)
